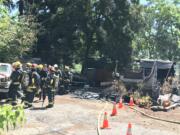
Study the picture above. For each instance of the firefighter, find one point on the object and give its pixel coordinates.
(50, 82)
(33, 86)
(43, 75)
(25, 80)
(67, 78)
(57, 70)
(26, 73)
(28, 66)
(14, 66)
(58, 76)
(16, 78)
(49, 68)
(39, 68)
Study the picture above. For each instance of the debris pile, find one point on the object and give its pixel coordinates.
(167, 102)
(108, 90)
(144, 101)
(86, 94)
(169, 97)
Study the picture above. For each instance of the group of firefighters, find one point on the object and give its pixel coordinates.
(40, 80)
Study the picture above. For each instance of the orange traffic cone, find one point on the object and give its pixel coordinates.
(120, 103)
(114, 111)
(105, 122)
(129, 129)
(131, 102)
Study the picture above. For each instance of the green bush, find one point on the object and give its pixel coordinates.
(11, 117)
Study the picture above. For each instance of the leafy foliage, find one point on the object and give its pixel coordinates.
(160, 36)
(17, 35)
(72, 31)
(11, 117)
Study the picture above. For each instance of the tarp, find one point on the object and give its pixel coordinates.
(151, 79)
(159, 63)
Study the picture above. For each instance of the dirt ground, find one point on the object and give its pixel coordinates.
(74, 116)
(141, 125)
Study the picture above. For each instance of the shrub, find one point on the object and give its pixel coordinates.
(11, 117)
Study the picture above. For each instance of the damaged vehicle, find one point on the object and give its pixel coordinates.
(5, 73)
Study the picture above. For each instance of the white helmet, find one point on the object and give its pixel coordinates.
(55, 66)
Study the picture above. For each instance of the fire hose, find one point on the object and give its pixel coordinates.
(141, 112)
(153, 117)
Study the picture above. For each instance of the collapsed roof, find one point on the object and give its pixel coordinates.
(161, 64)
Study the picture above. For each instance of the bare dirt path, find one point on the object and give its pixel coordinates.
(74, 116)
(70, 116)
(142, 125)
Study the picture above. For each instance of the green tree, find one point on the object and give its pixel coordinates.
(121, 20)
(160, 37)
(76, 30)
(17, 35)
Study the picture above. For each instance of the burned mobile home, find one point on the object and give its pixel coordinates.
(150, 76)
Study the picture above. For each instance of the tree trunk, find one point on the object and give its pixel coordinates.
(86, 56)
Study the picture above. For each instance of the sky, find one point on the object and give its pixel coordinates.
(15, 11)
(143, 1)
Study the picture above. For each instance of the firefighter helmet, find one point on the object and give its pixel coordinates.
(40, 66)
(18, 64)
(66, 67)
(29, 64)
(14, 65)
(33, 65)
(55, 66)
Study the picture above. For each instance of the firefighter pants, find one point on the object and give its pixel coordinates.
(42, 94)
(13, 91)
(50, 96)
(66, 85)
(53, 95)
(30, 94)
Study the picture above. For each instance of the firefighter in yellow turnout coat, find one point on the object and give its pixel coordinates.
(33, 86)
(51, 82)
